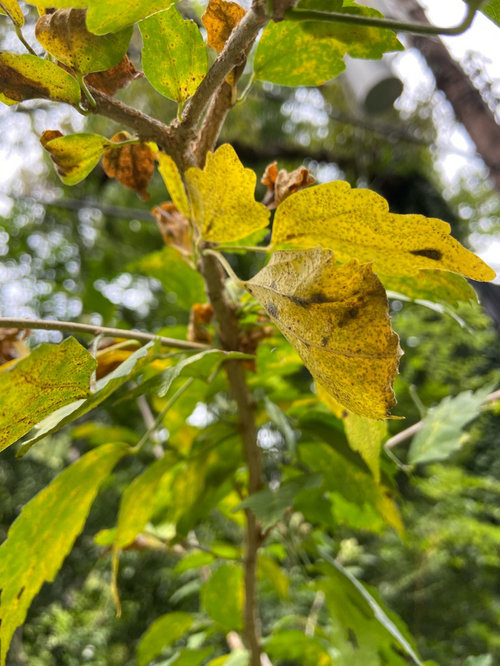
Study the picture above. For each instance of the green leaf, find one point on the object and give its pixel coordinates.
(442, 429)
(269, 505)
(174, 55)
(64, 35)
(164, 631)
(113, 15)
(270, 571)
(492, 11)
(175, 274)
(222, 597)
(366, 436)
(49, 379)
(295, 647)
(238, 657)
(308, 53)
(44, 533)
(429, 285)
(189, 657)
(482, 659)
(26, 76)
(192, 561)
(103, 388)
(354, 610)
(74, 155)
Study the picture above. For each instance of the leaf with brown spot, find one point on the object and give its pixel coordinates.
(133, 164)
(174, 227)
(357, 223)
(13, 11)
(74, 155)
(337, 319)
(64, 35)
(115, 78)
(26, 76)
(281, 184)
(220, 19)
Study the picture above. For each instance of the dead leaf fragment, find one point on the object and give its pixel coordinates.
(174, 227)
(220, 19)
(281, 184)
(336, 317)
(12, 345)
(133, 165)
(115, 78)
(201, 314)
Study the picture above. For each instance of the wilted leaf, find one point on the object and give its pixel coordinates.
(337, 319)
(220, 19)
(174, 227)
(115, 78)
(64, 35)
(429, 285)
(13, 11)
(281, 184)
(200, 315)
(442, 429)
(308, 53)
(357, 223)
(133, 164)
(12, 345)
(44, 533)
(222, 597)
(174, 56)
(51, 377)
(163, 632)
(74, 155)
(26, 76)
(222, 197)
(173, 182)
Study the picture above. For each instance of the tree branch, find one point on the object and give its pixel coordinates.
(51, 325)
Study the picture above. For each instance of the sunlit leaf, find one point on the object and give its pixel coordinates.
(429, 285)
(50, 378)
(64, 35)
(164, 631)
(366, 436)
(222, 197)
(357, 223)
(44, 533)
(114, 15)
(174, 55)
(131, 164)
(238, 657)
(74, 155)
(222, 597)
(308, 53)
(12, 9)
(442, 429)
(25, 77)
(173, 182)
(336, 317)
(220, 19)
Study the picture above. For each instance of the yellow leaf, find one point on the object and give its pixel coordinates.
(222, 198)
(357, 223)
(219, 19)
(13, 11)
(173, 182)
(337, 319)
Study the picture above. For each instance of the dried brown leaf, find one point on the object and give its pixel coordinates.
(115, 78)
(220, 19)
(133, 164)
(281, 184)
(174, 226)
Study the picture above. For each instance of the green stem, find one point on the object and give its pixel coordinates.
(226, 266)
(380, 22)
(246, 89)
(21, 38)
(85, 90)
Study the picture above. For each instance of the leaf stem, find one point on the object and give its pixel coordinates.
(51, 325)
(380, 22)
(86, 91)
(246, 248)
(21, 38)
(226, 265)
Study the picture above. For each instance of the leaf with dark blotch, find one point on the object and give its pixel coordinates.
(220, 19)
(26, 76)
(337, 319)
(44, 532)
(13, 11)
(133, 165)
(115, 78)
(64, 35)
(51, 377)
(74, 155)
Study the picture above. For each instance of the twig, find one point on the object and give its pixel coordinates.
(51, 325)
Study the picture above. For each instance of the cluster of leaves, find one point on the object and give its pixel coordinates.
(334, 253)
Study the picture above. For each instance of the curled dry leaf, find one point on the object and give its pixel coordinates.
(174, 227)
(281, 184)
(220, 19)
(201, 314)
(12, 345)
(336, 317)
(133, 165)
(115, 78)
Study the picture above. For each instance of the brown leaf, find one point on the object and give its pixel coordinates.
(174, 226)
(12, 345)
(281, 184)
(133, 165)
(201, 313)
(220, 19)
(48, 135)
(115, 78)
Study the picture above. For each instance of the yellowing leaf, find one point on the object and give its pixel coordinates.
(366, 436)
(112, 15)
(336, 318)
(27, 77)
(13, 11)
(51, 377)
(44, 533)
(428, 285)
(173, 182)
(357, 223)
(222, 198)
(220, 19)
(64, 35)
(74, 155)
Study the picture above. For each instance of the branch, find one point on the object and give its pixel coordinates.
(412, 430)
(51, 325)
